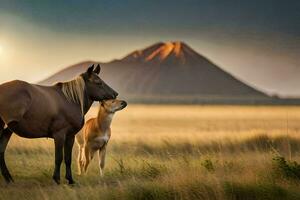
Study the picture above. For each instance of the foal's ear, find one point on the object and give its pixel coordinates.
(97, 69)
(101, 103)
(90, 69)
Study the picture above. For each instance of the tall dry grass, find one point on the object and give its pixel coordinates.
(175, 152)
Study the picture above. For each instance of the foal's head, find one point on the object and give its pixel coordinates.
(113, 105)
(96, 88)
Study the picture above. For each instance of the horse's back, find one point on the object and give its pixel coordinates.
(14, 100)
(13, 89)
(17, 97)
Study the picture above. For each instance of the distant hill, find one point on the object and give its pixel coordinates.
(169, 72)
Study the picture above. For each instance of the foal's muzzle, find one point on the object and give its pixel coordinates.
(123, 104)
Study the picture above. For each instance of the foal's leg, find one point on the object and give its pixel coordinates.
(59, 140)
(102, 155)
(68, 157)
(4, 138)
(80, 159)
(87, 158)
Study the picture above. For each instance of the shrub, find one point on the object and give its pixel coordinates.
(286, 169)
(208, 165)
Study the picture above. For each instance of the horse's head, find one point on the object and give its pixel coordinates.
(96, 88)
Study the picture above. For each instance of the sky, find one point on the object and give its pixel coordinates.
(258, 41)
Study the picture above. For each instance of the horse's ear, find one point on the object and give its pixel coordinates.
(97, 69)
(90, 69)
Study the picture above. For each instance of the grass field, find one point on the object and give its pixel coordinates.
(174, 152)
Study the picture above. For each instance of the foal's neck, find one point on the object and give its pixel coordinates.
(104, 118)
(87, 105)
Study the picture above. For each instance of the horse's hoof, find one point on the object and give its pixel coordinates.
(71, 182)
(57, 181)
(8, 179)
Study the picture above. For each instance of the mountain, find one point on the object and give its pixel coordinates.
(168, 72)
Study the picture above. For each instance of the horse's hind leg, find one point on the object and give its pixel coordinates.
(5, 135)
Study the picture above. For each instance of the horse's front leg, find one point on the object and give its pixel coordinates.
(59, 140)
(68, 157)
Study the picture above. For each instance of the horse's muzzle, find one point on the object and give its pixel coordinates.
(115, 94)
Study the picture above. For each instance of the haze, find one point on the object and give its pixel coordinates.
(256, 41)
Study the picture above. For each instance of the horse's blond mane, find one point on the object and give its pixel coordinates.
(74, 91)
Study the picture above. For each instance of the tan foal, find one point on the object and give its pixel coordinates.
(96, 133)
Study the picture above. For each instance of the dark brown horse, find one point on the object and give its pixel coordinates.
(34, 111)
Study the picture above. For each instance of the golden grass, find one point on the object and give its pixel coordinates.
(172, 152)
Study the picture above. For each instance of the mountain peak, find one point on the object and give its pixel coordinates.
(165, 50)
(162, 52)
(168, 70)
